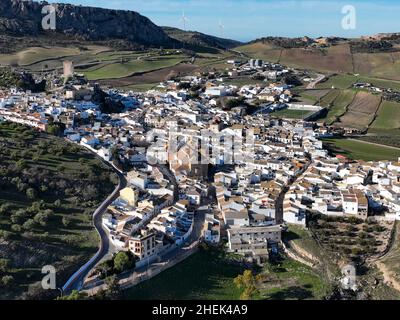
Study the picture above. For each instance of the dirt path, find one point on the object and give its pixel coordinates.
(374, 144)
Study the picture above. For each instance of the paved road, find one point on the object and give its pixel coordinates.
(77, 279)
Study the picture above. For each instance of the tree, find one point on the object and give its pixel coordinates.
(41, 218)
(66, 221)
(113, 288)
(57, 203)
(21, 164)
(122, 262)
(4, 265)
(75, 295)
(19, 216)
(7, 281)
(29, 224)
(5, 209)
(31, 193)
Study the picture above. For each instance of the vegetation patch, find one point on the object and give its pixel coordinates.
(360, 150)
(208, 274)
(48, 193)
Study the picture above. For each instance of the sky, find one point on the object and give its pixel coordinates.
(246, 20)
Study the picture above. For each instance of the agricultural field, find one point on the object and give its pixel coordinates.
(388, 116)
(352, 239)
(360, 150)
(260, 50)
(311, 97)
(361, 112)
(48, 193)
(38, 58)
(121, 70)
(380, 65)
(338, 81)
(333, 59)
(150, 77)
(337, 102)
(337, 59)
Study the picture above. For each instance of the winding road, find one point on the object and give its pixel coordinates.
(75, 282)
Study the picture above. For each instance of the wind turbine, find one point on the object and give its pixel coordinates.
(221, 28)
(184, 19)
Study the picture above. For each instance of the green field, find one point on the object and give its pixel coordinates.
(388, 116)
(338, 105)
(288, 279)
(340, 81)
(205, 275)
(359, 150)
(120, 70)
(291, 114)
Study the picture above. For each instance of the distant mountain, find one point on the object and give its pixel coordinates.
(23, 18)
(199, 39)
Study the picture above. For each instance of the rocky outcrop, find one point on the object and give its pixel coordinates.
(200, 39)
(24, 18)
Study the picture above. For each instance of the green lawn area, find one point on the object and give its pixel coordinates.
(329, 98)
(340, 81)
(205, 275)
(120, 70)
(359, 150)
(291, 114)
(141, 87)
(291, 280)
(345, 81)
(388, 116)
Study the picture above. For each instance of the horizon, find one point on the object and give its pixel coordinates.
(266, 17)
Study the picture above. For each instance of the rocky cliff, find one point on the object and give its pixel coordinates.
(24, 18)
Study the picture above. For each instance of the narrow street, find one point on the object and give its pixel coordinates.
(75, 282)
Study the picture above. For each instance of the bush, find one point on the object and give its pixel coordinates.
(7, 281)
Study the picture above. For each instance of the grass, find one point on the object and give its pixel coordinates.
(36, 54)
(340, 81)
(141, 87)
(291, 114)
(288, 279)
(388, 116)
(359, 150)
(205, 275)
(120, 70)
(337, 101)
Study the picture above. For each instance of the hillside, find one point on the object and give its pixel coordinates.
(23, 18)
(374, 56)
(199, 39)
